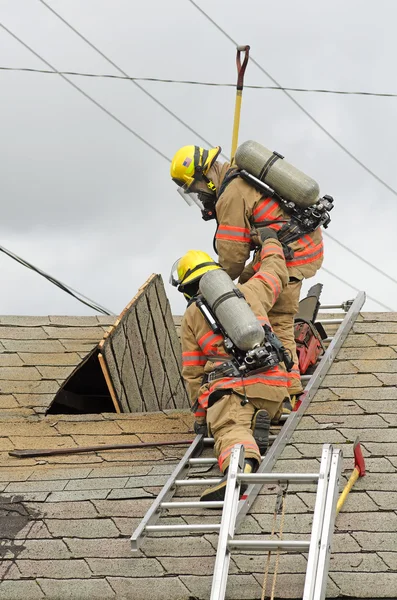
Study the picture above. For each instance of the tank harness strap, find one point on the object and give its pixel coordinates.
(230, 175)
(268, 164)
(226, 296)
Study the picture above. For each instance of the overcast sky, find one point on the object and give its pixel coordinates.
(86, 201)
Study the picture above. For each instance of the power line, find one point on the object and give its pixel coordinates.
(323, 129)
(204, 83)
(79, 89)
(80, 297)
(120, 70)
(364, 260)
(357, 289)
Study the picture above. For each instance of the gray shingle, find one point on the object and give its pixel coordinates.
(82, 528)
(76, 589)
(20, 590)
(145, 588)
(125, 567)
(371, 584)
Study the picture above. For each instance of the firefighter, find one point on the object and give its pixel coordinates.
(240, 211)
(236, 410)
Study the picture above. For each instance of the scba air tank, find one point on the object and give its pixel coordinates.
(271, 168)
(231, 310)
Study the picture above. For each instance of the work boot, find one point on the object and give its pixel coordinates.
(287, 406)
(260, 429)
(217, 492)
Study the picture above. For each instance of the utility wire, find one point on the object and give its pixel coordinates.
(357, 289)
(120, 70)
(323, 129)
(79, 89)
(331, 237)
(204, 83)
(80, 297)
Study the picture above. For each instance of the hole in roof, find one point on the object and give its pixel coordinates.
(84, 392)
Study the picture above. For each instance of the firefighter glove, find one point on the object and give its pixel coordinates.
(266, 233)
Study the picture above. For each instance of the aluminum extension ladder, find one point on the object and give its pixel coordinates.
(192, 458)
(319, 545)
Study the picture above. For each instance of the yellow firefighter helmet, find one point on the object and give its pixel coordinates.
(190, 267)
(190, 163)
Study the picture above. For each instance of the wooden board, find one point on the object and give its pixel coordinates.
(143, 354)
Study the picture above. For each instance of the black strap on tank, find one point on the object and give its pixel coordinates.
(268, 164)
(232, 294)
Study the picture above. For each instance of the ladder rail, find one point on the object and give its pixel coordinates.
(328, 527)
(226, 532)
(318, 518)
(294, 418)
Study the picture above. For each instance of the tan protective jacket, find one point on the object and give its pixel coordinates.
(200, 346)
(240, 208)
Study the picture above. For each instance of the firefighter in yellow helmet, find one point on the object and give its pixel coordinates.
(219, 400)
(241, 211)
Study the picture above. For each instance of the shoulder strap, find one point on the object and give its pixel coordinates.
(231, 174)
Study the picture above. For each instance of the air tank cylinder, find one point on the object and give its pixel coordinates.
(231, 310)
(271, 168)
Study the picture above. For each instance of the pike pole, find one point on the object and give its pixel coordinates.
(239, 93)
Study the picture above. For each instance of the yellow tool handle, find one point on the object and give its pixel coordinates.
(236, 124)
(239, 91)
(352, 480)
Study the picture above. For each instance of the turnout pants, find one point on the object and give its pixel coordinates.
(230, 424)
(281, 318)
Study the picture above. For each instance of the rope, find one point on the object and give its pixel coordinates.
(280, 505)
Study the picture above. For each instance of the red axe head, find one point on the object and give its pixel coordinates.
(359, 462)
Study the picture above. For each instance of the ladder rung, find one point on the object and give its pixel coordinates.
(210, 441)
(212, 481)
(214, 504)
(331, 306)
(206, 461)
(298, 546)
(305, 377)
(202, 461)
(328, 339)
(278, 477)
(192, 527)
(329, 321)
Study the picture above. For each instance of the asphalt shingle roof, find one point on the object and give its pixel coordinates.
(65, 521)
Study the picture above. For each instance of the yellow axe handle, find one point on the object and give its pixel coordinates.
(352, 480)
